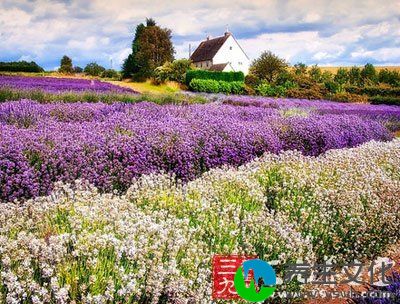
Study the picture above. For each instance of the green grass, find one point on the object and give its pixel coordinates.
(149, 87)
(10, 94)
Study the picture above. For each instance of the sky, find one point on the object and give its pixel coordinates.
(327, 33)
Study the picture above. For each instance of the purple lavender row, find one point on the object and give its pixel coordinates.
(110, 145)
(390, 115)
(54, 85)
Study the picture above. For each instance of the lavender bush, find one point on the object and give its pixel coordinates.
(110, 145)
(56, 85)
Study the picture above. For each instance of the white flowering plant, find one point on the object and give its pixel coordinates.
(155, 243)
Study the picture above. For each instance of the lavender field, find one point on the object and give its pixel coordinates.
(57, 85)
(126, 202)
(110, 145)
(388, 115)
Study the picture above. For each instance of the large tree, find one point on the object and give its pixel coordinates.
(66, 65)
(130, 66)
(151, 48)
(268, 66)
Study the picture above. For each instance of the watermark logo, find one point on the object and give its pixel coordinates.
(262, 286)
(255, 280)
(245, 277)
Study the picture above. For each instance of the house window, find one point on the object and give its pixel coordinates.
(240, 63)
(230, 48)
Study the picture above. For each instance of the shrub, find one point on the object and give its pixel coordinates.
(94, 69)
(111, 74)
(385, 100)
(173, 71)
(312, 93)
(204, 85)
(237, 87)
(341, 77)
(286, 76)
(20, 66)
(326, 76)
(288, 84)
(252, 80)
(331, 86)
(389, 77)
(374, 91)
(213, 86)
(348, 97)
(266, 89)
(315, 73)
(355, 76)
(268, 66)
(248, 90)
(300, 68)
(214, 75)
(368, 74)
(224, 87)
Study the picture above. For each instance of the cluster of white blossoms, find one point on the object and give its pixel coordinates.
(155, 243)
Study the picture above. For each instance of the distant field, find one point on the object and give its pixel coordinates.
(333, 69)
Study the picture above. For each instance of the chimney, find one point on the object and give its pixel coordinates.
(227, 30)
(208, 37)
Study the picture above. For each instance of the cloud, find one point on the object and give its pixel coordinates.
(325, 32)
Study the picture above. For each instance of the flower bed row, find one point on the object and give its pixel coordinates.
(389, 115)
(156, 242)
(110, 145)
(56, 85)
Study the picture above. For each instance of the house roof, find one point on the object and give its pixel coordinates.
(208, 48)
(218, 67)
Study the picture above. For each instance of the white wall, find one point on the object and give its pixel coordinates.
(232, 53)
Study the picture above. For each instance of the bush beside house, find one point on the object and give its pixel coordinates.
(214, 86)
(214, 75)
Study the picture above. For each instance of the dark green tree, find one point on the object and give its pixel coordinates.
(150, 22)
(78, 69)
(300, 68)
(389, 77)
(341, 76)
(151, 48)
(368, 74)
(130, 65)
(93, 69)
(66, 65)
(268, 66)
(355, 76)
(315, 73)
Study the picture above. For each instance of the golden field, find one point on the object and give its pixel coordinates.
(333, 69)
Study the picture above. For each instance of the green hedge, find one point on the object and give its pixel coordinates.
(213, 75)
(20, 66)
(214, 86)
(374, 91)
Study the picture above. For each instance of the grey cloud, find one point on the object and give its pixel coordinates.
(339, 28)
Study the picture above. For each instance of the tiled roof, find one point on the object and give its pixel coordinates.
(218, 67)
(208, 48)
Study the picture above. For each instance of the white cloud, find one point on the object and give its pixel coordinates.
(323, 31)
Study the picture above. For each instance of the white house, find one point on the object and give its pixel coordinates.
(221, 54)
